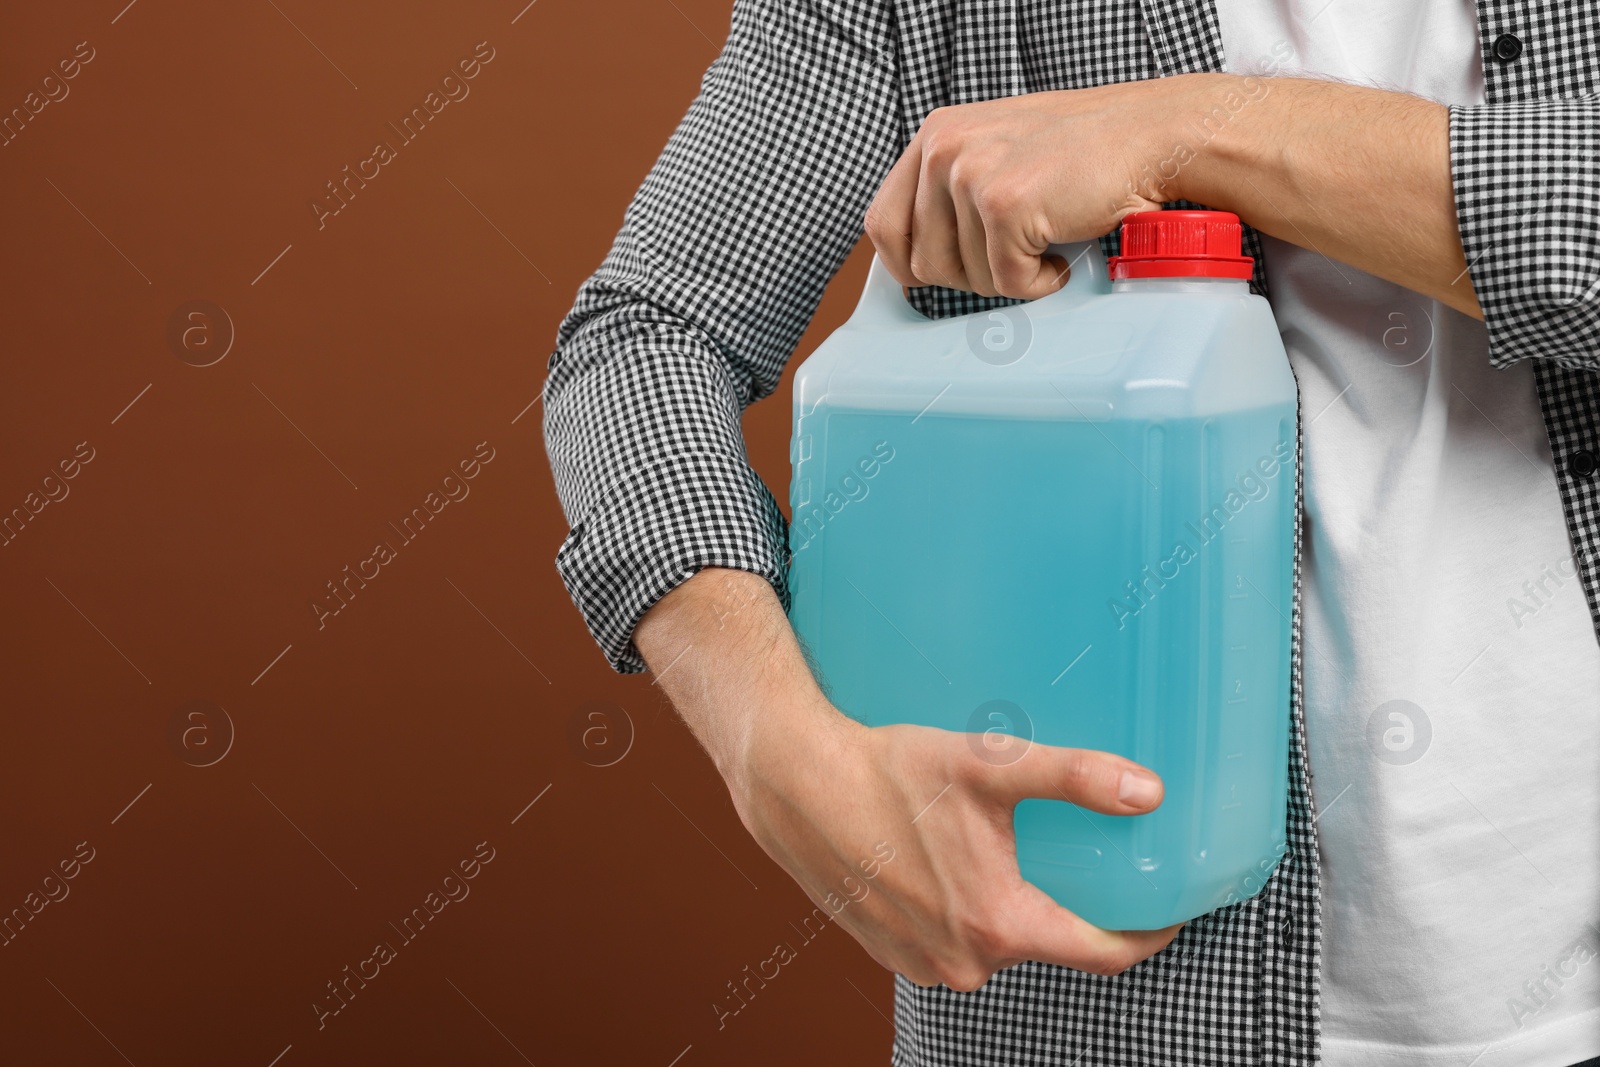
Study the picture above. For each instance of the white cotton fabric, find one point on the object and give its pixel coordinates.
(1451, 673)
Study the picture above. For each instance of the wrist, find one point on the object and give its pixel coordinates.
(1221, 131)
(722, 650)
(797, 734)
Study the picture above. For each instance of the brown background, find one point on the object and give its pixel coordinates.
(370, 756)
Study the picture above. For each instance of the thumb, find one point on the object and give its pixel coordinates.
(1099, 781)
(1027, 274)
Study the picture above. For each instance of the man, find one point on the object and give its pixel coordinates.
(1429, 188)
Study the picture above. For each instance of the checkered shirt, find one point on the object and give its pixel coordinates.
(752, 207)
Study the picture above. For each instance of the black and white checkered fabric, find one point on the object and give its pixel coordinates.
(722, 260)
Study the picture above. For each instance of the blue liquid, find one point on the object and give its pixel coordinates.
(1113, 585)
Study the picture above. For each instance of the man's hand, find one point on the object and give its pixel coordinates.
(1360, 175)
(984, 188)
(820, 791)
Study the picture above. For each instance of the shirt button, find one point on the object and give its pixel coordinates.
(1582, 463)
(1507, 47)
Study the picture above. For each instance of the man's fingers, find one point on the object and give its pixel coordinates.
(1099, 781)
(974, 247)
(935, 235)
(1049, 933)
(888, 221)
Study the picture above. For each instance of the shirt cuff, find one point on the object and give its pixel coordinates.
(658, 528)
(1527, 192)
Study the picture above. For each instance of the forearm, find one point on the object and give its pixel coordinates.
(722, 649)
(1360, 175)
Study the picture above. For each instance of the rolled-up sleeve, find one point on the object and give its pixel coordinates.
(1527, 191)
(723, 255)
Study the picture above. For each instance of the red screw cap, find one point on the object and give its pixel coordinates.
(1181, 244)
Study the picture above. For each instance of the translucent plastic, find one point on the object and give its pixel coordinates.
(1069, 522)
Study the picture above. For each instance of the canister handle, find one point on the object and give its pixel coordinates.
(883, 302)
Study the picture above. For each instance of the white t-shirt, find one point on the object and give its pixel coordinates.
(1451, 670)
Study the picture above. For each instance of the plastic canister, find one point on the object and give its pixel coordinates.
(1071, 522)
